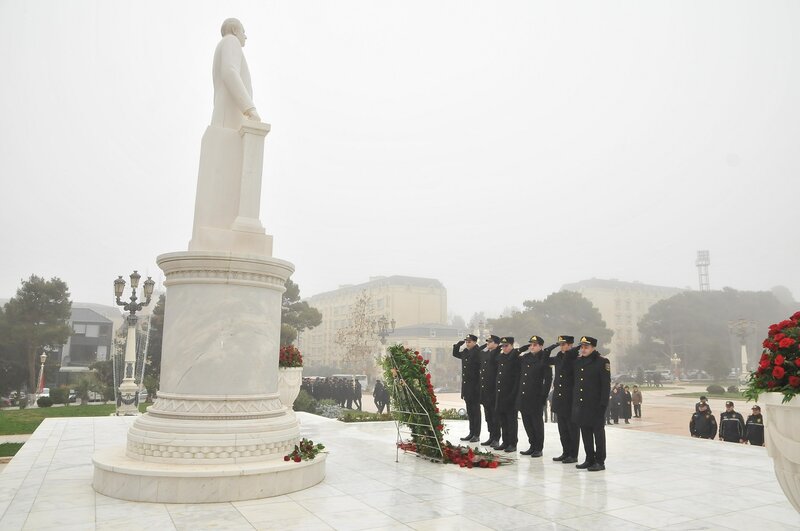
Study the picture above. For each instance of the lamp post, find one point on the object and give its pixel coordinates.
(742, 328)
(382, 325)
(128, 395)
(676, 361)
(40, 383)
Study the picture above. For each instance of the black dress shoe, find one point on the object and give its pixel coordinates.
(468, 437)
(536, 454)
(596, 467)
(560, 457)
(498, 446)
(487, 442)
(569, 460)
(509, 449)
(529, 451)
(475, 439)
(585, 464)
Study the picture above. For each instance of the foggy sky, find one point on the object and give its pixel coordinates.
(505, 148)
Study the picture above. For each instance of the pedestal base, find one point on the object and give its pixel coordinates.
(119, 476)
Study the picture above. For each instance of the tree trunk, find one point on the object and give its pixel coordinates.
(32, 370)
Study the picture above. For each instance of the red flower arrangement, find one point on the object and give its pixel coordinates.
(289, 356)
(304, 450)
(779, 367)
(407, 371)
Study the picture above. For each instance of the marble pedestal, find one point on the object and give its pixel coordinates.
(218, 430)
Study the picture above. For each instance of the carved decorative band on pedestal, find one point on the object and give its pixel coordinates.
(208, 267)
(216, 407)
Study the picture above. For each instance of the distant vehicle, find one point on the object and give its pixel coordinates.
(73, 396)
(143, 396)
(444, 389)
(5, 402)
(95, 397)
(45, 392)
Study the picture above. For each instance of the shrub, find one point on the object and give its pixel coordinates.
(305, 402)
(44, 401)
(451, 414)
(715, 389)
(733, 389)
(329, 409)
(60, 395)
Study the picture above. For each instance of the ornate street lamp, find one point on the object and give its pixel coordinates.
(128, 395)
(382, 328)
(40, 384)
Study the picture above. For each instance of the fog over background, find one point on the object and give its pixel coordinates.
(504, 148)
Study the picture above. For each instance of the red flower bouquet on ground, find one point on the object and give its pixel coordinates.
(779, 367)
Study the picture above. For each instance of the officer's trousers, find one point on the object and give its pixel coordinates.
(509, 426)
(474, 415)
(534, 427)
(594, 442)
(569, 433)
(492, 421)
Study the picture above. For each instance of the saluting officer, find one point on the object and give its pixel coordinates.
(754, 430)
(488, 390)
(568, 431)
(505, 403)
(535, 378)
(470, 383)
(589, 402)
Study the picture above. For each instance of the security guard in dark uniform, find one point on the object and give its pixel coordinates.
(470, 383)
(589, 402)
(535, 378)
(754, 428)
(568, 431)
(731, 425)
(488, 390)
(506, 394)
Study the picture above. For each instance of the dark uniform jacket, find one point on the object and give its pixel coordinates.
(470, 371)
(488, 375)
(563, 381)
(703, 425)
(535, 378)
(592, 388)
(754, 430)
(731, 426)
(507, 381)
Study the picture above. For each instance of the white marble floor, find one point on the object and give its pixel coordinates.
(652, 481)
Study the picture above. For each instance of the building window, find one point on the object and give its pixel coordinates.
(92, 330)
(79, 328)
(433, 332)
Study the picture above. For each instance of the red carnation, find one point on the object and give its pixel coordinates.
(493, 464)
(779, 359)
(786, 342)
(286, 457)
(764, 364)
(794, 381)
(297, 459)
(771, 384)
(778, 372)
(796, 315)
(797, 362)
(778, 337)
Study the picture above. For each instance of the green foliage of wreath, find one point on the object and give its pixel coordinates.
(406, 371)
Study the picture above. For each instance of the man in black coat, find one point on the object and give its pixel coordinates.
(703, 424)
(568, 431)
(506, 394)
(731, 425)
(470, 383)
(488, 388)
(754, 428)
(589, 402)
(535, 378)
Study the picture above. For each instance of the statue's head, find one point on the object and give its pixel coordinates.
(232, 26)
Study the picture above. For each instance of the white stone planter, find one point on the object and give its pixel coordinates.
(782, 422)
(289, 381)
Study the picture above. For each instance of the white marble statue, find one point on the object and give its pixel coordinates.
(233, 91)
(228, 202)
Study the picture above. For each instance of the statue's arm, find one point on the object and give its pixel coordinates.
(230, 71)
